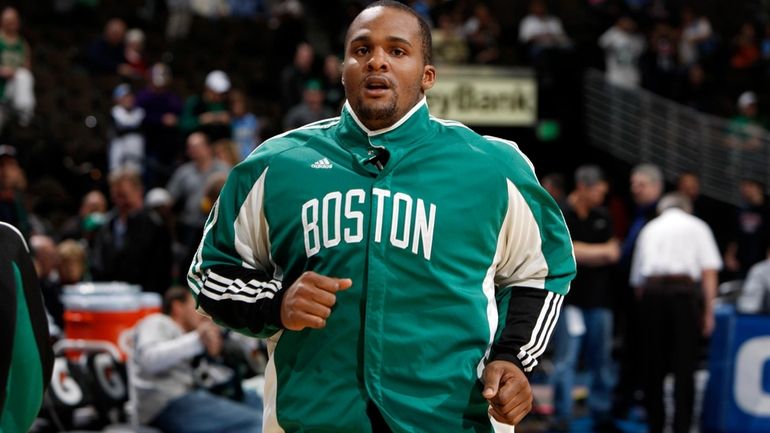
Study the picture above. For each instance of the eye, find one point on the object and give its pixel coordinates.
(360, 51)
(398, 52)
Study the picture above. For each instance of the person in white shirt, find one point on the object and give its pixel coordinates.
(539, 30)
(623, 46)
(676, 258)
(696, 33)
(164, 380)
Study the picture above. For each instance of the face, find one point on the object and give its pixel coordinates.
(752, 192)
(596, 193)
(125, 195)
(689, 186)
(644, 190)
(94, 201)
(197, 148)
(10, 20)
(384, 73)
(71, 270)
(184, 312)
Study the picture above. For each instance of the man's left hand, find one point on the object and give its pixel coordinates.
(508, 392)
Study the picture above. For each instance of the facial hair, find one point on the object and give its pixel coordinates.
(383, 116)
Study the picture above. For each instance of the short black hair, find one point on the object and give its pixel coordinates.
(425, 36)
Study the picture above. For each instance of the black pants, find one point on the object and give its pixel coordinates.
(671, 318)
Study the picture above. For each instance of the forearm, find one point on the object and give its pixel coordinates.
(709, 282)
(588, 254)
(245, 300)
(156, 357)
(527, 326)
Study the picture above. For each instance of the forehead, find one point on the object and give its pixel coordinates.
(384, 22)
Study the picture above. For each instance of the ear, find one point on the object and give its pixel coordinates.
(428, 77)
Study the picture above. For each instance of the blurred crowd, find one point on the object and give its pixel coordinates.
(131, 205)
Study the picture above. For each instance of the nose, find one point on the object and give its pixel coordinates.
(378, 60)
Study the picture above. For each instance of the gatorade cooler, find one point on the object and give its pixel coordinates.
(100, 311)
(150, 303)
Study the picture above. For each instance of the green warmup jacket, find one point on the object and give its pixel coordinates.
(26, 358)
(457, 255)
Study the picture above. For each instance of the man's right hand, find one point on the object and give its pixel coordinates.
(309, 301)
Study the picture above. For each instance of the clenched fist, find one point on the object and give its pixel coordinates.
(309, 301)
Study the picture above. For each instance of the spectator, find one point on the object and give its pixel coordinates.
(179, 19)
(90, 216)
(165, 348)
(676, 258)
(17, 85)
(134, 55)
(47, 260)
(660, 64)
(623, 46)
(335, 92)
(162, 107)
(688, 184)
(73, 265)
(226, 152)
(449, 43)
(12, 185)
(133, 244)
(697, 37)
(554, 184)
(295, 75)
(745, 50)
(746, 129)
(755, 294)
(482, 32)
(540, 31)
(751, 230)
(699, 91)
(589, 304)
(245, 126)
(311, 109)
(646, 189)
(208, 112)
(106, 55)
(127, 142)
(186, 188)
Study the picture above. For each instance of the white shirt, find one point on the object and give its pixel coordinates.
(533, 26)
(674, 243)
(622, 51)
(700, 28)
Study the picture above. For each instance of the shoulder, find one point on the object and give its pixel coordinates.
(504, 155)
(283, 144)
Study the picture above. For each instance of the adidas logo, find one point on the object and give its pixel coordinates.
(322, 163)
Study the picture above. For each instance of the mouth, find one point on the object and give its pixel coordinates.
(376, 85)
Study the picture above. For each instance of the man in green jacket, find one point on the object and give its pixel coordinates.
(406, 271)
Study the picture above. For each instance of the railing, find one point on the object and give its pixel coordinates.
(637, 126)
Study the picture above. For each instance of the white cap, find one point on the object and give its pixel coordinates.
(157, 197)
(746, 99)
(218, 81)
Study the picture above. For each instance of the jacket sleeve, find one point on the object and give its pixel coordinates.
(535, 266)
(232, 276)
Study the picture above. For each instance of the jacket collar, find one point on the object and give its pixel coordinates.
(406, 132)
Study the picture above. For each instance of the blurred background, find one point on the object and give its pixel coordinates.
(119, 121)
